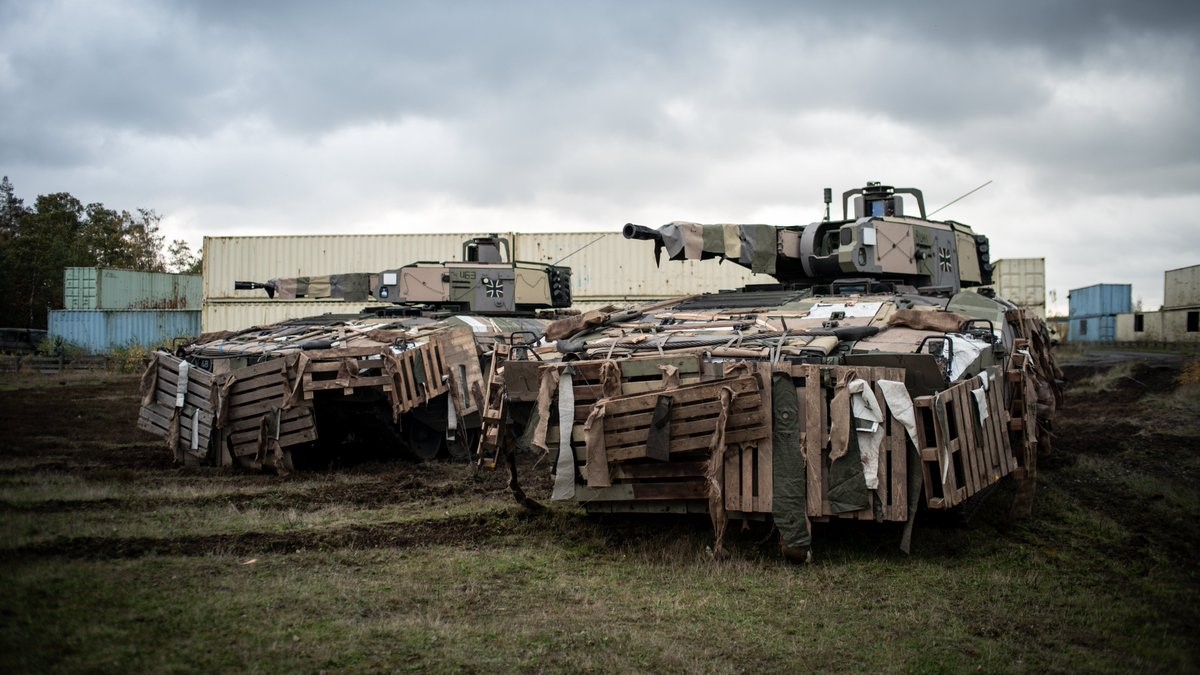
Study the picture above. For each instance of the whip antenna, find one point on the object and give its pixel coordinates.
(968, 194)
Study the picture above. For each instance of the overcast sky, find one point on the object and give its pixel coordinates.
(243, 118)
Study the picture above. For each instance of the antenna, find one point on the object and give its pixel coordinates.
(555, 263)
(828, 198)
(963, 196)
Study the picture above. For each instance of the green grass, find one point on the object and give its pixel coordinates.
(399, 567)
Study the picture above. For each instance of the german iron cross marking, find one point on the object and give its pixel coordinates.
(493, 289)
(944, 261)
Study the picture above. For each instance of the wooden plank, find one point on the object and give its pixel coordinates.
(741, 405)
(248, 373)
(991, 430)
(966, 433)
(253, 409)
(195, 388)
(765, 448)
(244, 396)
(944, 455)
(155, 419)
(168, 399)
(987, 454)
(1000, 428)
(682, 395)
(679, 429)
(686, 410)
(355, 382)
(683, 445)
(747, 491)
(171, 365)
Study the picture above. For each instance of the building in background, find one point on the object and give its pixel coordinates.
(110, 308)
(606, 269)
(1178, 320)
(1094, 309)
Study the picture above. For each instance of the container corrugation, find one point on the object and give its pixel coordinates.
(110, 288)
(230, 259)
(224, 314)
(605, 265)
(1100, 300)
(1182, 287)
(101, 330)
(1021, 281)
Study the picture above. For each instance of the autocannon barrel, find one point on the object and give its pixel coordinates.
(631, 231)
(254, 286)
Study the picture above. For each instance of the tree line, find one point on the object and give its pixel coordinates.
(57, 231)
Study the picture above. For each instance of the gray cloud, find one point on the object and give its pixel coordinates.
(252, 117)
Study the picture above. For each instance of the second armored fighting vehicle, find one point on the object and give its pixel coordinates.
(405, 378)
(876, 377)
(486, 281)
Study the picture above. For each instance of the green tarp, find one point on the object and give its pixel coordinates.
(789, 468)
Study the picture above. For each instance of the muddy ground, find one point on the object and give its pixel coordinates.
(85, 495)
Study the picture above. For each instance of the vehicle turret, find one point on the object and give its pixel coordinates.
(879, 243)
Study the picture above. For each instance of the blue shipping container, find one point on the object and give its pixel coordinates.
(1101, 300)
(1093, 329)
(100, 330)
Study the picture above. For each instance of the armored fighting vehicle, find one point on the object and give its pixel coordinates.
(486, 281)
(878, 376)
(409, 377)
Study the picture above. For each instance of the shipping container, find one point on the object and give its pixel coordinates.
(230, 259)
(1022, 281)
(101, 330)
(1182, 288)
(1094, 329)
(1100, 300)
(605, 266)
(109, 288)
(230, 314)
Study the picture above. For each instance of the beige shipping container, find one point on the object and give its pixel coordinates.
(1181, 287)
(1022, 281)
(607, 267)
(230, 259)
(232, 314)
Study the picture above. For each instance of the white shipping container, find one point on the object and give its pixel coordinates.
(605, 266)
(1022, 281)
(230, 259)
(1182, 287)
